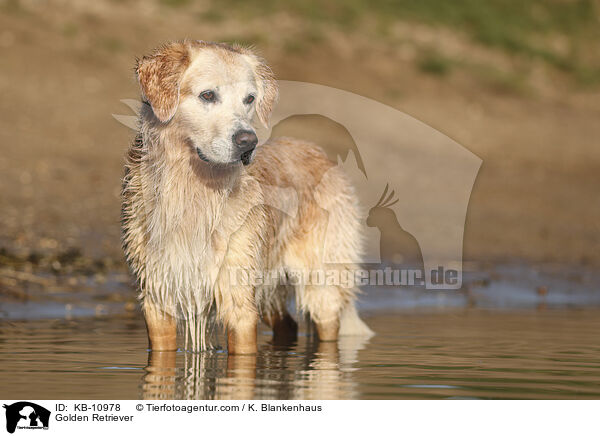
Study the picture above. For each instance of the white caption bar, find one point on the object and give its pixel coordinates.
(300, 417)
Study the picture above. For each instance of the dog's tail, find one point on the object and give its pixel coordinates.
(352, 325)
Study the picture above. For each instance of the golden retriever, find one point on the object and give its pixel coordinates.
(197, 206)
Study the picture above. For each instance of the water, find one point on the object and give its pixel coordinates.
(419, 353)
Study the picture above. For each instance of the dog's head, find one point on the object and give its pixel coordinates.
(210, 92)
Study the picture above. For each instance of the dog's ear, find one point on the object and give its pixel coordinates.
(160, 75)
(268, 91)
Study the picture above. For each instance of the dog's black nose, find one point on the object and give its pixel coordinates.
(245, 139)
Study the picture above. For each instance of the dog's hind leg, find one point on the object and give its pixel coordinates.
(324, 304)
(162, 328)
(285, 328)
(327, 256)
(274, 313)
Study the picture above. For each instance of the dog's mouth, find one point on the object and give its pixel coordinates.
(202, 156)
(246, 157)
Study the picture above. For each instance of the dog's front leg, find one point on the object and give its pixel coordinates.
(241, 333)
(241, 339)
(162, 328)
(238, 313)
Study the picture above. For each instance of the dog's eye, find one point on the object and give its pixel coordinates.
(208, 96)
(249, 99)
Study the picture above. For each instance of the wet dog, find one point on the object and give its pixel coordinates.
(198, 206)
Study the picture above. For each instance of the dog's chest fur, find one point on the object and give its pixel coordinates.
(181, 232)
(193, 225)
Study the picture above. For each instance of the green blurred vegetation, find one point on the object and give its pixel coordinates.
(433, 62)
(562, 33)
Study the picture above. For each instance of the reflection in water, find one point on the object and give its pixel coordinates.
(462, 353)
(321, 371)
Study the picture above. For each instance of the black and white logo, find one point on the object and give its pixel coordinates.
(26, 415)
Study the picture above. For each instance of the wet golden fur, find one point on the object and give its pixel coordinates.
(188, 224)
